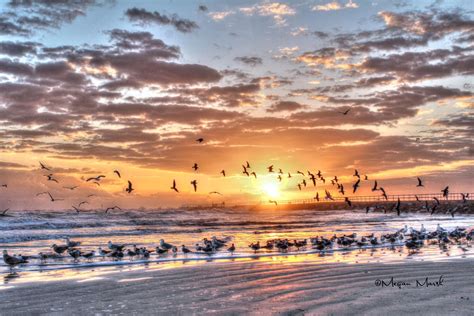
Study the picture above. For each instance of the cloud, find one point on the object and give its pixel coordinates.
(145, 17)
(18, 49)
(288, 106)
(249, 60)
(276, 10)
(335, 5)
(24, 18)
(220, 15)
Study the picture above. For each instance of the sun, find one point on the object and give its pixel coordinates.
(271, 189)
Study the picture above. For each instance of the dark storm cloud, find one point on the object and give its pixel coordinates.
(144, 17)
(285, 106)
(249, 60)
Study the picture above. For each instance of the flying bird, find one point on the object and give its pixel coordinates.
(4, 185)
(279, 178)
(95, 178)
(317, 196)
(375, 186)
(71, 188)
(420, 183)
(4, 212)
(345, 112)
(247, 164)
(112, 208)
(43, 166)
(384, 194)
(397, 207)
(174, 186)
(355, 186)
(53, 199)
(346, 199)
(194, 183)
(76, 209)
(129, 189)
(445, 192)
(437, 201)
(270, 168)
(329, 196)
(215, 192)
(223, 172)
(200, 140)
(254, 174)
(356, 173)
(117, 173)
(50, 177)
(195, 167)
(273, 201)
(83, 202)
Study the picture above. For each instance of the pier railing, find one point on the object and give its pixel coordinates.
(354, 199)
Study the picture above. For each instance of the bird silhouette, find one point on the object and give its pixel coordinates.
(346, 199)
(223, 172)
(200, 140)
(270, 168)
(82, 203)
(4, 185)
(95, 178)
(317, 196)
(195, 167)
(384, 194)
(397, 207)
(194, 183)
(118, 173)
(4, 212)
(50, 178)
(129, 189)
(112, 208)
(76, 209)
(247, 164)
(375, 186)
(43, 166)
(445, 192)
(254, 174)
(71, 188)
(52, 198)
(345, 112)
(174, 186)
(356, 173)
(215, 192)
(274, 202)
(420, 183)
(355, 186)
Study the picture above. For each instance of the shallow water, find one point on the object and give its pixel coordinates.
(29, 233)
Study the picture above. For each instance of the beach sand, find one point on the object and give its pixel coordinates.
(255, 287)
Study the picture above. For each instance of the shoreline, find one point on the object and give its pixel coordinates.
(255, 287)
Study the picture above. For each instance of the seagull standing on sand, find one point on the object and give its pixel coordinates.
(165, 245)
(11, 260)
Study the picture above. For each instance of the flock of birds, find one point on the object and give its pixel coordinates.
(411, 238)
(313, 178)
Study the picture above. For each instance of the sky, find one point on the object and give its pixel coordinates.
(88, 87)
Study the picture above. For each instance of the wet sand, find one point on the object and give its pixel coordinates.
(255, 287)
